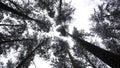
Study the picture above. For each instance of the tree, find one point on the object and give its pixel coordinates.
(108, 28)
(32, 53)
(59, 48)
(109, 58)
(42, 24)
(79, 51)
(18, 19)
(39, 22)
(63, 55)
(106, 21)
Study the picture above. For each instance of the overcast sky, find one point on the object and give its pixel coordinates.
(81, 20)
(82, 13)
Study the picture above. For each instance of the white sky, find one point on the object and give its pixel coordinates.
(82, 13)
(81, 20)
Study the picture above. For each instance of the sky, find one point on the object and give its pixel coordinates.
(80, 20)
(82, 13)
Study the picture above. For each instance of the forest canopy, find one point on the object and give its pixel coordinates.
(25, 28)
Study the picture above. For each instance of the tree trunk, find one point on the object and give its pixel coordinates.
(107, 57)
(16, 5)
(72, 60)
(87, 58)
(31, 54)
(7, 8)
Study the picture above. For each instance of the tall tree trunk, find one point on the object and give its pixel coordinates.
(59, 13)
(72, 60)
(7, 8)
(16, 5)
(70, 56)
(107, 57)
(87, 58)
(31, 54)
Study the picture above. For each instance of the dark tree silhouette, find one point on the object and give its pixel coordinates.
(75, 65)
(109, 58)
